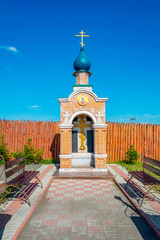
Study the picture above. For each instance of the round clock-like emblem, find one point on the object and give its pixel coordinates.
(82, 100)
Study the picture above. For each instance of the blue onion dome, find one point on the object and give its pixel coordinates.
(82, 63)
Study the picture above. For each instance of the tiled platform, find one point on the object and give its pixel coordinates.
(83, 173)
(85, 209)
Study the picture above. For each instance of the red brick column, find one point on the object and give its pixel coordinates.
(65, 147)
(100, 147)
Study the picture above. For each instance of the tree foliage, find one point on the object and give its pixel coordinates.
(31, 153)
(3, 149)
(131, 155)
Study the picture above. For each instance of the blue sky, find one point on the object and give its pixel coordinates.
(38, 48)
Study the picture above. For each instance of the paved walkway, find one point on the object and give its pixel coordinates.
(85, 209)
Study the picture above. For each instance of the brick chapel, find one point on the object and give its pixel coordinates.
(82, 124)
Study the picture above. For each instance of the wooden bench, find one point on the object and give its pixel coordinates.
(149, 182)
(22, 178)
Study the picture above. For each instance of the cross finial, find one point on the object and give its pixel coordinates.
(82, 35)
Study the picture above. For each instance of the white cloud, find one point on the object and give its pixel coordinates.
(35, 107)
(9, 48)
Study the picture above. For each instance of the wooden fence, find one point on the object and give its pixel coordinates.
(144, 137)
(45, 135)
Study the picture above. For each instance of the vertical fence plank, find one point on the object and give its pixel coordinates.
(48, 141)
(116, 142)
(109, 141)
(139, 141)
(121, 142)
(45, 139)
(113, 142)
(40, 130)
(157, 140)
(52, 137)
(111, 146)
(57, 129)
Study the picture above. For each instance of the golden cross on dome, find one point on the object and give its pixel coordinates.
(82, 36)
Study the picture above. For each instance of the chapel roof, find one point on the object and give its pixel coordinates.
(82, 63)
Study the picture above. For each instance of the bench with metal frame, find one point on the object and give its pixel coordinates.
(150, 183)
(22, 178)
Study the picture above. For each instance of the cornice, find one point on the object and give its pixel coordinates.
(80, 90)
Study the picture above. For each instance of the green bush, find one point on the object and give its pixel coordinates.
(131, 155)
(4, 151)
(17, 154)
(31, 153)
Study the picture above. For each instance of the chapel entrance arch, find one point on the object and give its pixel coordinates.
(82, 134)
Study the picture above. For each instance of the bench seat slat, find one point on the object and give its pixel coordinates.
(142, 175)
(155, 180)
(152, 169)
(25, 178)
(151, 178)
(145, 178)
(16, 179)
(28, 177)
(14, 162)
(15, 170)
(139, 175)
(151, 161)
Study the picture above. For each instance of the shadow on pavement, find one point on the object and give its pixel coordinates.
(144, 229)
(4, 219)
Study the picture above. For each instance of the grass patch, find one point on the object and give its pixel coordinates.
(132, 167)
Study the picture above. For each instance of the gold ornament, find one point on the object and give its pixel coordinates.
(82, 100)
(82, 35)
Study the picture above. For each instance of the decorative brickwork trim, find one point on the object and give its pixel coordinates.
(100, 162)
(65, 162)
